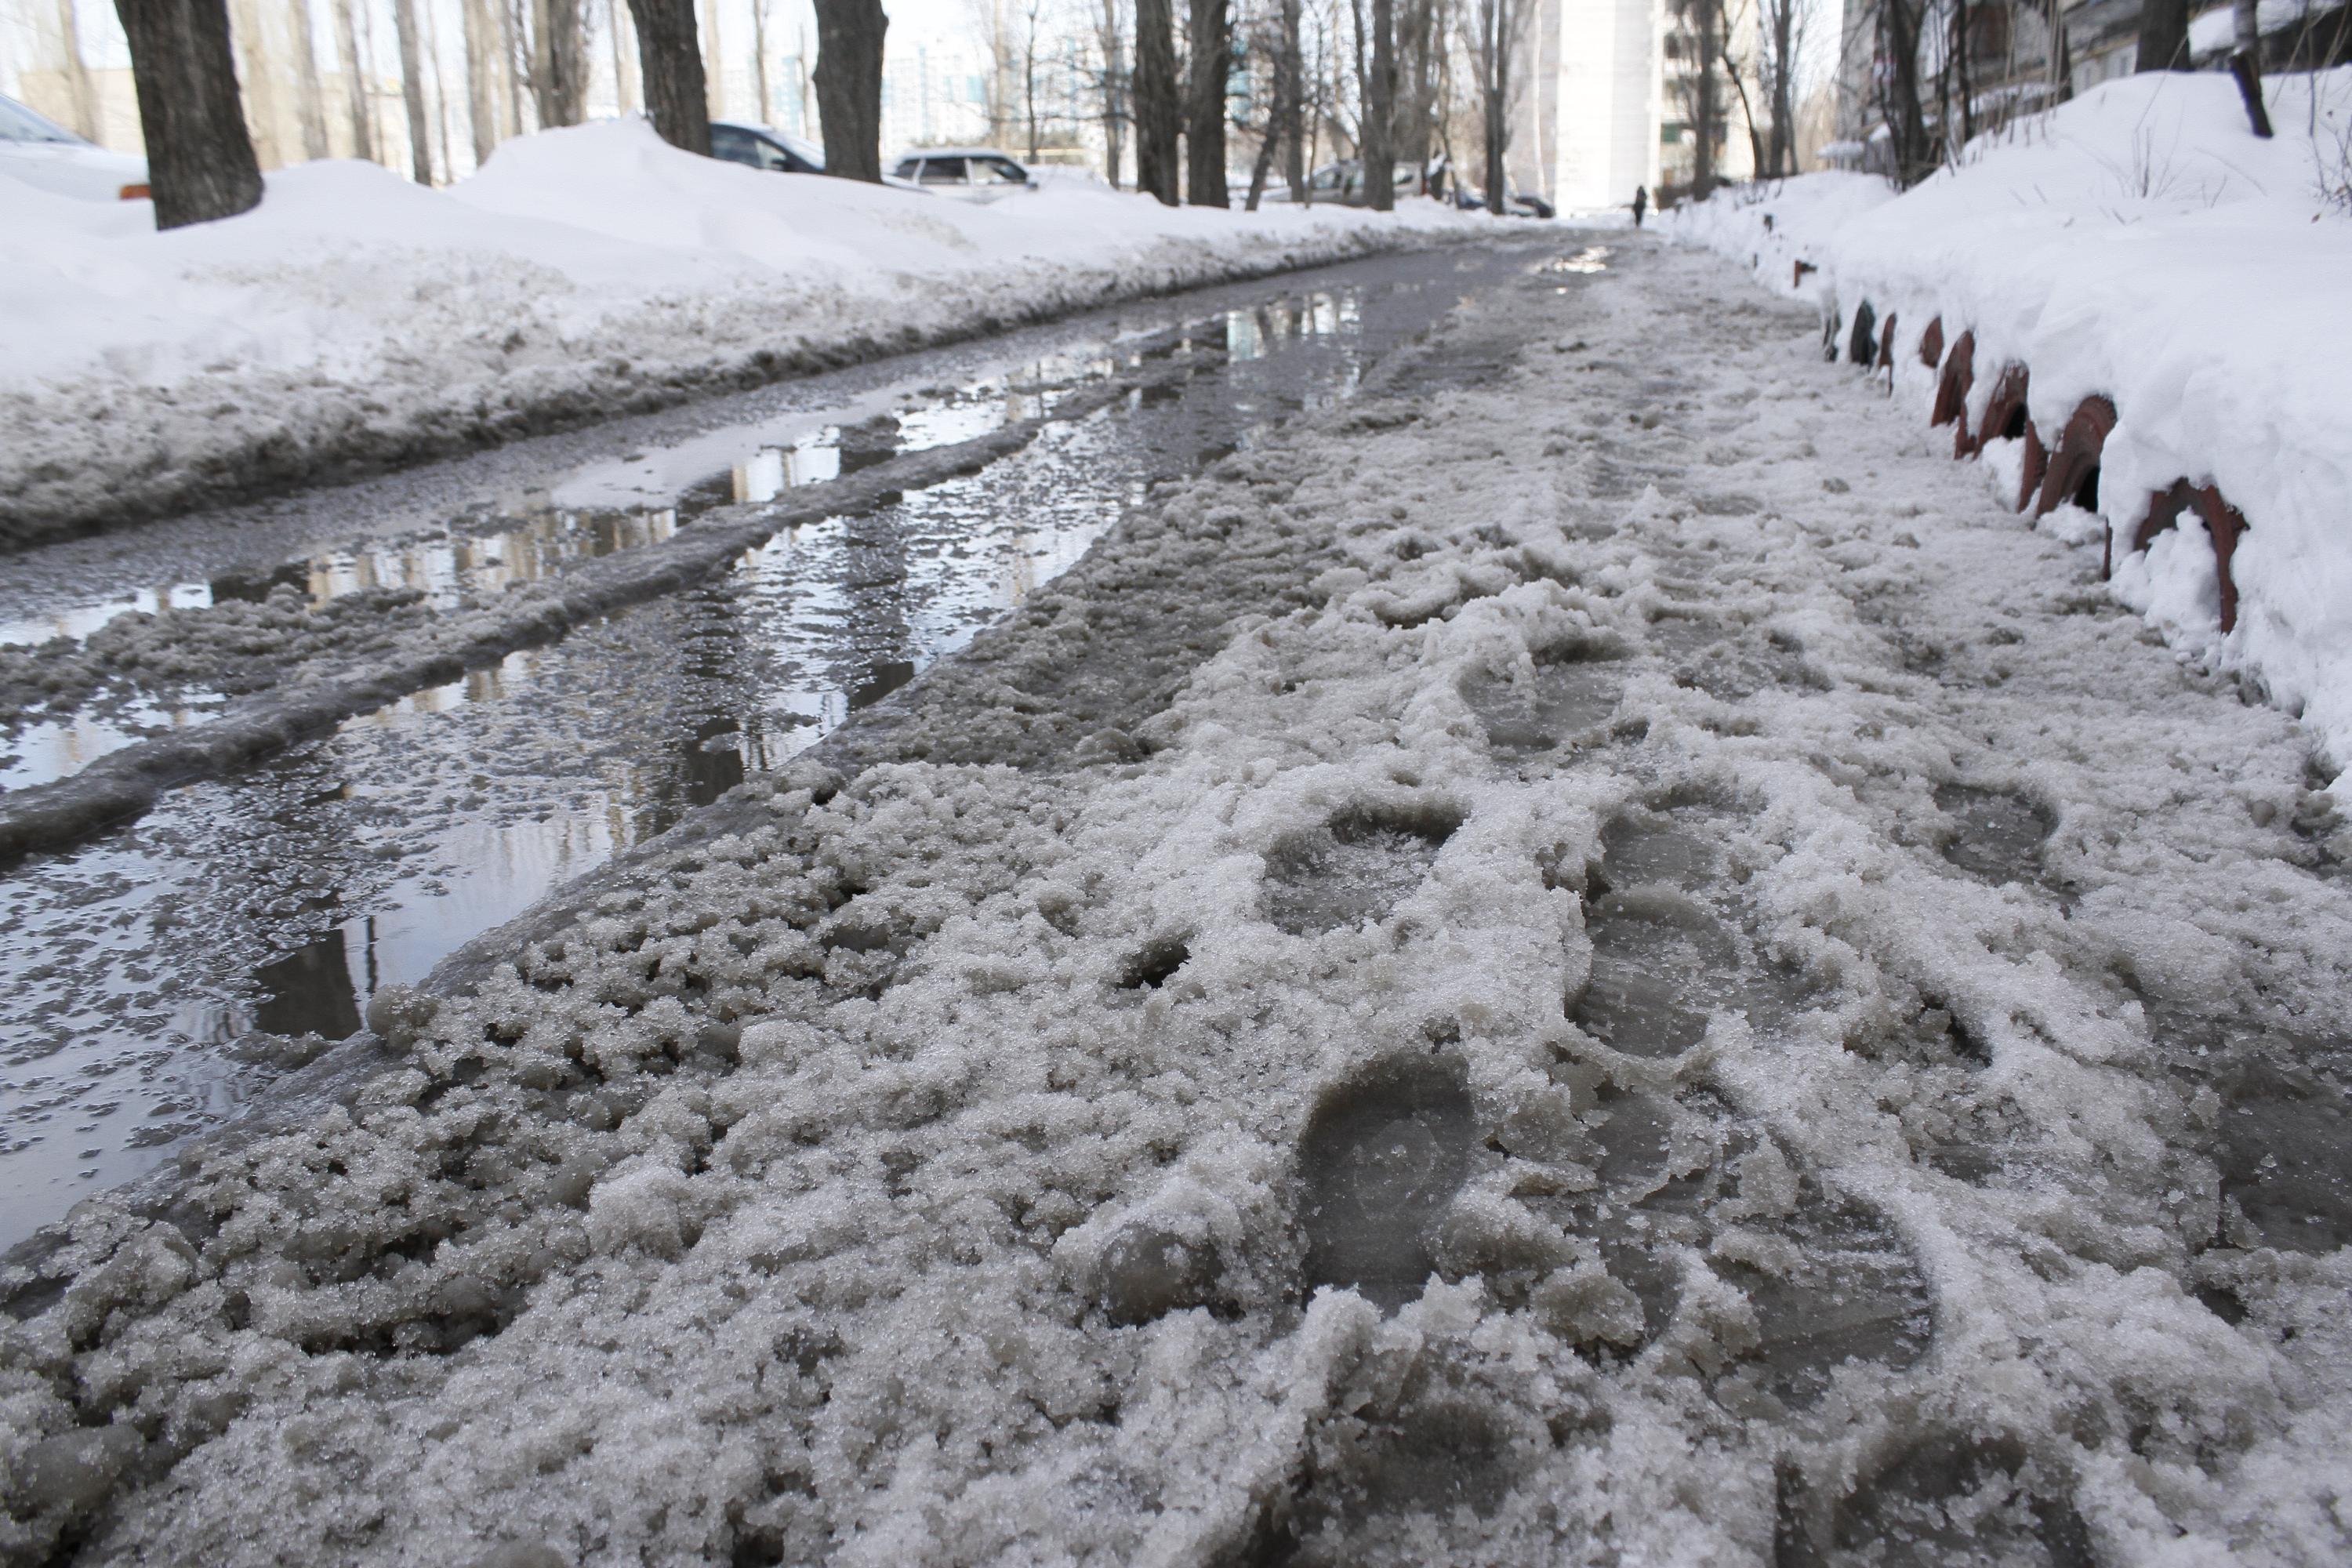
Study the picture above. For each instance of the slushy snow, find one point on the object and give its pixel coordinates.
(1257, 1122)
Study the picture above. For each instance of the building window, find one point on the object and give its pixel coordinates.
(1669, 133)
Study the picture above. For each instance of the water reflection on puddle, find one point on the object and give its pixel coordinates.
(152, 981)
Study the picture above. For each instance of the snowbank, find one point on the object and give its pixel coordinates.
(355, 320)
(2139, 245)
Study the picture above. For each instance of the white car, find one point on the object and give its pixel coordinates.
(52, 157)
(971, 174)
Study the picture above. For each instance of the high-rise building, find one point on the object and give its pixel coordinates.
(1610, 104)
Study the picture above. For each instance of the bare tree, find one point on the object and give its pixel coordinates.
(1157, 112)
(1110, 86)
(1380, 110)
(355, 93)
(1032, 28)
(485, 53)
(1204, 126)
(1497, 28)
(996, 29)
(1419, 41)
(1780, 48)
(310, 98)
(1898, 85)
(2246, 64)
(760, 61)
(669, 54)
(411, 91)
(200, 162)
(1269, 66)
(849, 85)
(714, 61)
(1291, 113)
(624, 86)
(1700, 30)
(559, 61)
(440, 94)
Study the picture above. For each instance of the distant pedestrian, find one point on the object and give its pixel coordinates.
(1641, 203)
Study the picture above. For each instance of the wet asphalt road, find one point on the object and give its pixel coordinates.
(157, 978)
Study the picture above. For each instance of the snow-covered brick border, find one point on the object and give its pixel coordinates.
(354, 321)
(2134, 313)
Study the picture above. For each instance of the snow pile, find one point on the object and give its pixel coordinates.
(1774, 225)
(355, 320)
(2140, 245)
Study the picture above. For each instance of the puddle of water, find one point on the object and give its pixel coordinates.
(1996, 834)
(54, 748)
(149, 979)
(1381, 1157)
(1593, 258)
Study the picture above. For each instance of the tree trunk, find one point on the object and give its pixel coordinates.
(440, 94)
(1781, 20)
(1262, 166)
(2163, 35)
(672, 63)
(624, 86)
(1418, 88)
(1156, 110)
(1293, 116)
(516, 70)
(558, 60)
(1708, 112)
(310, 99)
(200, 162)
(1380, 111)
(1205, 130)
(1029, 76)
(1110, 41)
(355, 95)
(2245, 64)
(714, 62)
(760, 61)
(1498, 25)
(849, 85)
(1906, 117)
(1747, 111)
(482, 48)
(411, 91)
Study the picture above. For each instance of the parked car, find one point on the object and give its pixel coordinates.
(1517, 203)
(969, 173)
(765, 147)
(46, 154)
(759, 147)
(1342, 182)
